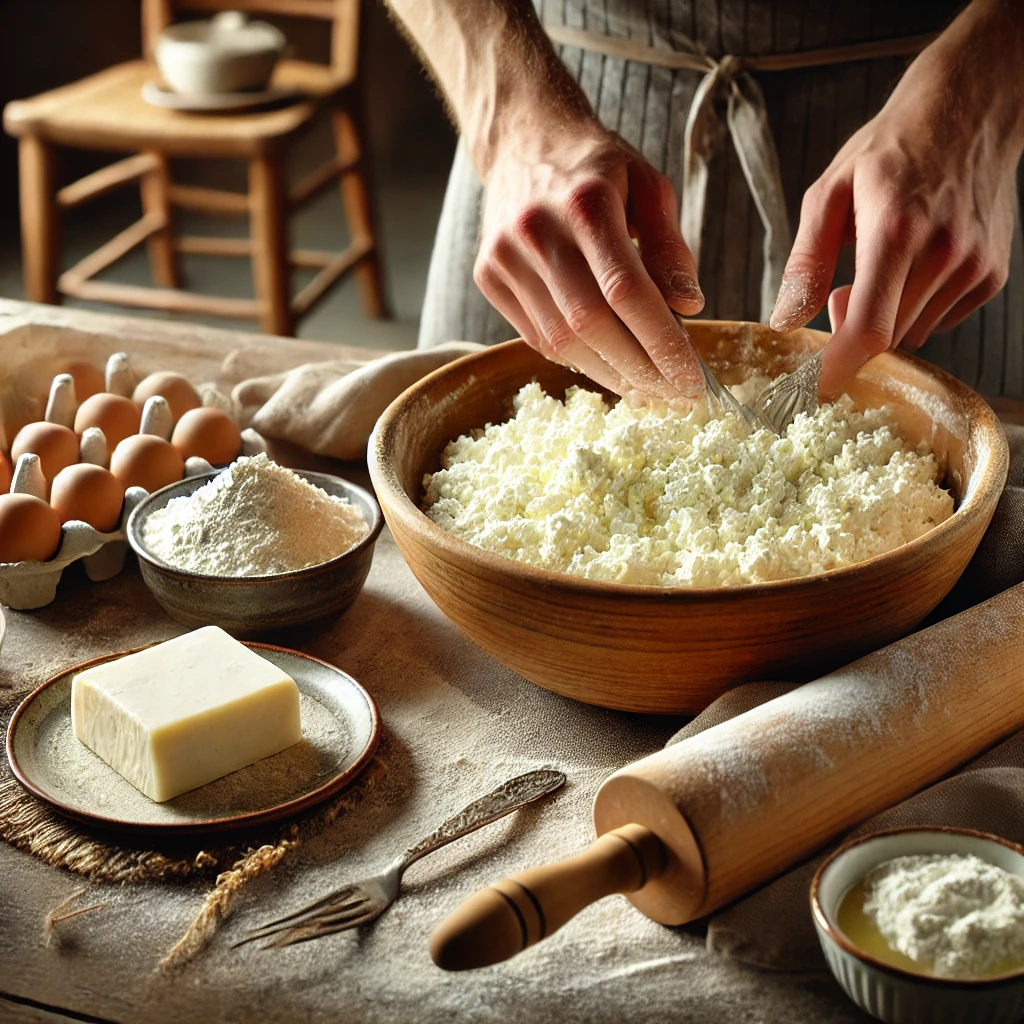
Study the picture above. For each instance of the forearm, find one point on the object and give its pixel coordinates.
(981, 55)
(500, 75)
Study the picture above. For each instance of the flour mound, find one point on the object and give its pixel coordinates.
(661, 498)
(255, 518)
(957, 914)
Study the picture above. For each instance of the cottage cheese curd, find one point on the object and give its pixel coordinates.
(653, 496)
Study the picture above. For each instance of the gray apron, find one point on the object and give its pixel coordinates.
(708, 94)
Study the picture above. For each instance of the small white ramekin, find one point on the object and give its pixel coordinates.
(888, 993)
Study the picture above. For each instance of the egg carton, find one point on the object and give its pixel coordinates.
(27, 585)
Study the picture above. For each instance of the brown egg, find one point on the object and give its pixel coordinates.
(145, 460)
(208, 433)
(88, 380)
(89, 493)
(116, 416)
(180, 395)
(55, 445)
(29, 529)
(6, 474)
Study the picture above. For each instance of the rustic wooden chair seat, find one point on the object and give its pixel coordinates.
(106, 112)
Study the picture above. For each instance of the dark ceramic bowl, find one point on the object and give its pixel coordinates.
(255, 605)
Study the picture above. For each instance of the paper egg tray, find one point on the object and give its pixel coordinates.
(25, 585)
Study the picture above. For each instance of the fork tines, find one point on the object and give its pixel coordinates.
(783, 400)
(341, 908)
(353, 916)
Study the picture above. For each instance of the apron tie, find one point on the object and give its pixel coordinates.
(746, 121)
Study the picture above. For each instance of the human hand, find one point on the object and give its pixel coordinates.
(926, 191)
(557, 259)
(564, 200)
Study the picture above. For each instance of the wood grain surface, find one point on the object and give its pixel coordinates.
(31, 1011)
(664, 650)
(106, 110)
(103, 967)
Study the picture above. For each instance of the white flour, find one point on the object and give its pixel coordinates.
(958, 914)
(256, 518)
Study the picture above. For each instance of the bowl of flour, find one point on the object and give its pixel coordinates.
(640, 562)
(256, 548)
(925, 924)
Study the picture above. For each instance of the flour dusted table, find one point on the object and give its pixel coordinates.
(455, 724)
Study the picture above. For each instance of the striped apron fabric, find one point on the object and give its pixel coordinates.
(811, 111)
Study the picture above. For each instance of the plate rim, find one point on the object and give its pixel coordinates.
(218, 102)
(237, 823)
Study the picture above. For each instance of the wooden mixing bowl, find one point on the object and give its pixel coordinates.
(657, 649)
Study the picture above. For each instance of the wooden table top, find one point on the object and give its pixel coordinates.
(429, 682)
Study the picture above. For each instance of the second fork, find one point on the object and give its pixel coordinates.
(362, 902)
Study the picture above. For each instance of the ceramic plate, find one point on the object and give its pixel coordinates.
(340, 730)
(199, 103)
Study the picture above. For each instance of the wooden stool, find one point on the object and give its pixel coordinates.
(106, 112)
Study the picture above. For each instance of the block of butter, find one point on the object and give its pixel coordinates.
(185, 712)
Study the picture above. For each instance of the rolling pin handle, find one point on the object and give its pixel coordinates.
(507, 917)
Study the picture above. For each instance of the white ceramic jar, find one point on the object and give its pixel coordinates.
(225, 54)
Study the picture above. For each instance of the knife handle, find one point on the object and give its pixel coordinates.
(505, 918)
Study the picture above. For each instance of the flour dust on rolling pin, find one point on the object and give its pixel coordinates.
(769, 787)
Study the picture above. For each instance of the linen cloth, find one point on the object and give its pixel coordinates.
(455, 724)
(320, 408)
(328, 408)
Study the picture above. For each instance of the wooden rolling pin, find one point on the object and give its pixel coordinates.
(700, 823)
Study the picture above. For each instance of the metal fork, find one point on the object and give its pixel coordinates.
(778, 404)
(362, 902)
(782, 401)
(725, 398)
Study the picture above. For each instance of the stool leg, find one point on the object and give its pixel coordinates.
(163, 260)
(268, 211)
(355, 197)
(40, 238)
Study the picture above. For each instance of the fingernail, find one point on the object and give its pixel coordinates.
(797, 294)
(685, 289)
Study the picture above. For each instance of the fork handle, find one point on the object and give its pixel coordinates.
(502, 800)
